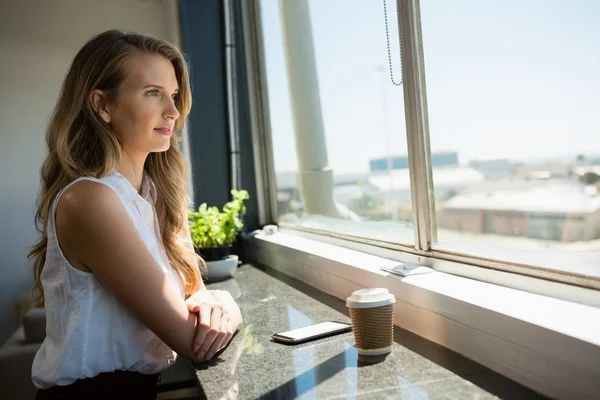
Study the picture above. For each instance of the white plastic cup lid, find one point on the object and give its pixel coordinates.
(367, 298)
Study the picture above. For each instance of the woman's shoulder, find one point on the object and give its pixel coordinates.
(87, 196)
(83, 212)
(85, 189)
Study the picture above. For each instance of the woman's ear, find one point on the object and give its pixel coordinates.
(99, 103)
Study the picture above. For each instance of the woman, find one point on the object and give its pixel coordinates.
(115, 267)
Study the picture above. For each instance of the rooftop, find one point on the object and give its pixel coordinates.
(551, 198)
(448, 177)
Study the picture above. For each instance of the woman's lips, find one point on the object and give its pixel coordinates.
(164, 131)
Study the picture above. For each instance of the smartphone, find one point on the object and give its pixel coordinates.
(312, 332)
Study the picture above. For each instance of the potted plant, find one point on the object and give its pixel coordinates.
(214, 231)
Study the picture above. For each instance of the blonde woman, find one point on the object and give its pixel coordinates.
(115, 268)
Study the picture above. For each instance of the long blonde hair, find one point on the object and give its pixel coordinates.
(80, 144)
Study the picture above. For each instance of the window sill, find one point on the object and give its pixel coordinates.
(527, 337)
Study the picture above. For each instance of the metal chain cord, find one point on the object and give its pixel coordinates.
(387, 36)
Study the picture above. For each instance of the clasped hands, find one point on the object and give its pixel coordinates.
(218, 318)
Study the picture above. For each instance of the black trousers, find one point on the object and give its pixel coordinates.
(115, 385)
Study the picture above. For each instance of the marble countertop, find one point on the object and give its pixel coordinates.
(253, 366)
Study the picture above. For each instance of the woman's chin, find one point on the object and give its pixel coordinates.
(162, 147)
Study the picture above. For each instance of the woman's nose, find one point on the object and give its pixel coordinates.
(171, 112)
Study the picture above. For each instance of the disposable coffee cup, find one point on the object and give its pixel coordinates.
(372, 316)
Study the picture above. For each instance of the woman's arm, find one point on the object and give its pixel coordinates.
(225, 319)
(96, 232)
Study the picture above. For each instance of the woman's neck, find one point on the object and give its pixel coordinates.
(133, 169)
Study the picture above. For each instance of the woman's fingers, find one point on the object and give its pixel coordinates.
(219, 341)
(228, 335)
(203, 328)
(215, 324)
(230, 305)
(192, 305)
(213, 331)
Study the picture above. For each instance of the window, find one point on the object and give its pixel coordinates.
(513, 91)
(349, 118)
(509, 128)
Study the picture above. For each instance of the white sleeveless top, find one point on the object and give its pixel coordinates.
(87, 330)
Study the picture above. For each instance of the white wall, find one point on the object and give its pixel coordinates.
(38, 40)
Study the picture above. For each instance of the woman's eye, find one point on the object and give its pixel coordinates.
(175, 96)
(152, 93)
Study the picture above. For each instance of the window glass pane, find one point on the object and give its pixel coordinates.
(513, 93)
(362, 113)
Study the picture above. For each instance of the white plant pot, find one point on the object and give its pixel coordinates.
(222, 269)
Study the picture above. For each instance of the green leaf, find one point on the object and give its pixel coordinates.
(210, 227)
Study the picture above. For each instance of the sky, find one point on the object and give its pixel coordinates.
(514, 79)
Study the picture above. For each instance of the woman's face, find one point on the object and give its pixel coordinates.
(144, 113)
